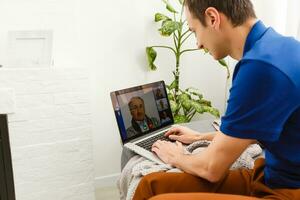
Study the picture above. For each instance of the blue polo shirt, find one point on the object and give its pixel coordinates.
(264, 103)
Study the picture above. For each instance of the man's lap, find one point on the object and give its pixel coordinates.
(236, 182)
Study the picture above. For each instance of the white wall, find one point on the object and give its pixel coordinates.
(61, 16)
(282, 15)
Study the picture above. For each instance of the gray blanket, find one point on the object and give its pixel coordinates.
(137, 167)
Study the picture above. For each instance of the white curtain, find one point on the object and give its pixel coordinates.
(298, 35)
(293, 18)
(283, 15)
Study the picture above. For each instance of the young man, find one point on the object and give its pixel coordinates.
(264, 106)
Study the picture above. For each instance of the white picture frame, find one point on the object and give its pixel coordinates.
(29, 49)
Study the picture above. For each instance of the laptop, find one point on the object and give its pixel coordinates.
(143, 114)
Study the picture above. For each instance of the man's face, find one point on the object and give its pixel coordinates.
(208, 37)
(137, 109)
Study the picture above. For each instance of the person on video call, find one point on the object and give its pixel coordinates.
(164, 118)
(263, 106)
(140, 122)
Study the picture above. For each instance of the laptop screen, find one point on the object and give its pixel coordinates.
(141, 110)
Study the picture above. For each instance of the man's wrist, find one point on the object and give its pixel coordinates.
(197, 138)
(176, 162)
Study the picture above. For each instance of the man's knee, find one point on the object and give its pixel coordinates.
(153, 179)
(148, 186)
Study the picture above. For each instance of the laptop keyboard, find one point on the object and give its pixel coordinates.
(147, 144)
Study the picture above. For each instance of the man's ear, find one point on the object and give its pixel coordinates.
(212, 17)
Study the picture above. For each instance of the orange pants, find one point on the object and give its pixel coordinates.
(239, 184)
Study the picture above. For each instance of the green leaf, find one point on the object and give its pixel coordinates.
(174, 106)
(200, 96)
(186, 104)
(184, 97)
(160, 17)
(168, 27)
(215, 112)
(173, 85)
(198, 107)
(151, 56)
(171, 96)
(168, 87)
(222, 62)
(181, 2)
(194, 92)
(180, 119)
(204, 102)
(169, 7)
(191, 88)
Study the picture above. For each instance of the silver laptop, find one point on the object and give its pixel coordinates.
(143, 114)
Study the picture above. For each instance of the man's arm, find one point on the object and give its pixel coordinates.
(212, 163)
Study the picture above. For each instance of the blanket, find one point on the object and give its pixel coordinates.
(138, 166)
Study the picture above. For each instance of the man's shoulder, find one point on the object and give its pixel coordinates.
(279, 53)
(274, 48)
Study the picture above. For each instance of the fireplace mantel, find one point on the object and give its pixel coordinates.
(7, 101)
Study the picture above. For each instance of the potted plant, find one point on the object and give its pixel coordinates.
(185, 103)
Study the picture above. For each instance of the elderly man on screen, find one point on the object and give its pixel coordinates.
(140, 122)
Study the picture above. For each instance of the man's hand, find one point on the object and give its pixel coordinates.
(182, 134)
(168, 152)
(187, 135)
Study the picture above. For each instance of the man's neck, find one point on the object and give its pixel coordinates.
(238, 37)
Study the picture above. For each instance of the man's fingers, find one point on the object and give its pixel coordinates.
(154, 149)
(174, 137)
(172, 131)
(158, 143)
(179, 144)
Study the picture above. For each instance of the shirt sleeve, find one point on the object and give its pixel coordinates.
(260, 102)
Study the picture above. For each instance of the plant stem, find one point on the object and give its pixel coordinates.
(175, 38)
(185, 33)
(181, 13)
(166, 47)
(188, 50)
(190, 112)
(191, 116)
(187, 37)
(178, 53)
(177, 73)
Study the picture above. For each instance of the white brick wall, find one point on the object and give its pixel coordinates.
(50, 133)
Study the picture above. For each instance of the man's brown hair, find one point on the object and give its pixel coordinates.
(237, 11)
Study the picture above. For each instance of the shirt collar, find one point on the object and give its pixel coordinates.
(254, 35)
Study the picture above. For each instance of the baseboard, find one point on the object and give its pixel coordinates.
(107, 181)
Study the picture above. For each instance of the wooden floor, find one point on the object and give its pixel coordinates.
(107, 193)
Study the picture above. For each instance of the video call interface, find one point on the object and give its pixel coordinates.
(142, 110)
